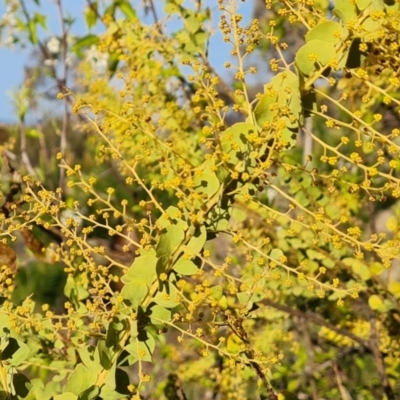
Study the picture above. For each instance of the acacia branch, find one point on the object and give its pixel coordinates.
(318, 320)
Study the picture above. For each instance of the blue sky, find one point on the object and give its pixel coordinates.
(12, 61)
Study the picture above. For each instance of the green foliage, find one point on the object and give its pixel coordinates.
(186, 255)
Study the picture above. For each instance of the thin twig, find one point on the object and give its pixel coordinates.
(24, 155)
(316, 319)
(64, 73)
(379, 362)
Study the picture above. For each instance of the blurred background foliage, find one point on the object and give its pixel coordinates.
(142, 114)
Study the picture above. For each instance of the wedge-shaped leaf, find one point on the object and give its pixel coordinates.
(329, 31)
(90, 393)
(198, 240)
(264, 111)
(110, 377)
(105, 354)
(234, 141)
(168, 296)
(309, 103)
(363, 4)
(158, 314)
(375, 302)
(192, 23)
(289, 136)
(74, 291)
(394, 287)
(127, 10)
(172, 216)
(66, 396)
(234, 344)
(282, 92)
(358, 267)
(216, 292)
(248, 298)
(134, 292)
(314, 55)
(170, 240)
(84, 42)
(116, 330)
(143, 269)
(171, 8)
(120, 392)
(185, 267)
(81, 379)
(15, 352)
(142, 350)
(285, 395)
(90, 358)
(276, 254)
(345, 10)
(91, 15)
(207, 183)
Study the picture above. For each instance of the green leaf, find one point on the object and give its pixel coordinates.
(329, 31)
(234, 141)
(216, 292)
(74, 291)
(283, 90)
(285, 395)
(81, 379)
(105, 354)
(198, 240)
(344, 10)
(110, 377)
(91, 15)
(142, 349)
(171, 8)
(206, 183)
(314, 255)
(358, 267)
(185, 267)
(375, 302)
(158, 314)
(32, 31)
(90, 358)
(170, 240)
(34, 133)
(143, 269)
(276, 254)
(363, 4)
(323, 52)
(394, 287)
(191, 22)
(15, 352)
(168, 296)
(91, 393)
(128, 10)
(66, 396)
(134, 292)
(41, 20)
(234, 344)
(85, 42)
(116, 382)
(309, 103)
(113, 61)
(223, 303)
(117, 329)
